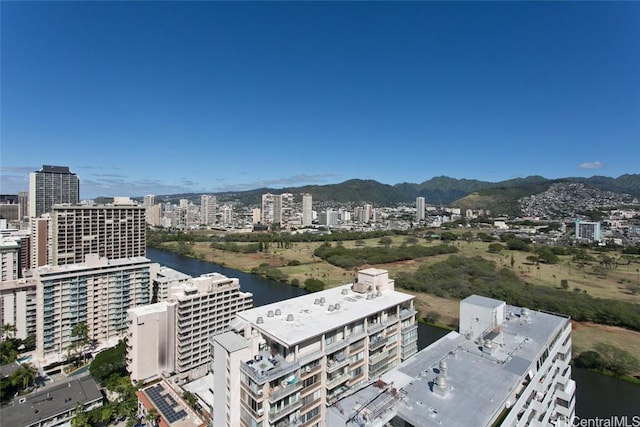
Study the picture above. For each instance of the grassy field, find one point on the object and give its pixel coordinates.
(609, 284)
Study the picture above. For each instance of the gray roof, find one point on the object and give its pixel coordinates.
(54, 400)
(476, 386)
(231, 341)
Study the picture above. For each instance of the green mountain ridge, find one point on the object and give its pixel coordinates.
(441, 190)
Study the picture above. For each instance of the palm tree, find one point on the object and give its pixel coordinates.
(8, 330)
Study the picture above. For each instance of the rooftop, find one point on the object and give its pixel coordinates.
(423, 395)
(55, 399)
(296, 319)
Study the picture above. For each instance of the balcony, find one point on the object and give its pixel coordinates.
(375, 327)
(263, 367)
(407, 313)
(378, 357)
(376, 343)
(334, 365)
(276, 414)
(285, 389)
(337, 380)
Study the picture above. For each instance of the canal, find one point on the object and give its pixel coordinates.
(596, 395)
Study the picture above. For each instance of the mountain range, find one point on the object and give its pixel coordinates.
(500, 196)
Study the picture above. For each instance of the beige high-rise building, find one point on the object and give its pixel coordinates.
(112, 231)
(173, 337)
(18, 306)
(40, 241)
(289, 360)
(208, 209)
(307, 209)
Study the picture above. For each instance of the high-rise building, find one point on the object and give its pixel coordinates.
(289, 360)
(23, 201)
(112, 231)
(307, 209)
(18, 306)
(507, 366)
(40, 241)
(52, 185)
(226, 215)
(208, 204)
(173, 337)
(97, 292)
(149, 200)
(420, 208)
(9, 259)
(587, 230)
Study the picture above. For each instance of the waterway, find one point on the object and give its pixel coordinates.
(597, 396)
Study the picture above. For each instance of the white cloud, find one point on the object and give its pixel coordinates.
(590, 165)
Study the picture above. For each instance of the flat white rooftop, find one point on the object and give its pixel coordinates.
(476, 385)
(310, 319)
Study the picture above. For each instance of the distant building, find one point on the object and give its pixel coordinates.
(173, 337)
(508, 366)
(307, 209)
(208, 206)
(420, 209)
(52, 185)
(149, 200)
(288, 361)
(40, 241)
(587, 230)
(112, 231)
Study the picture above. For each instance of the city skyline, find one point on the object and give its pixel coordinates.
(170, 97)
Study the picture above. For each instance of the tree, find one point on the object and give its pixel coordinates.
(152, 416)
(385, 241)
(313, 285)
(80, 338)
(109, 362)
(564, 284)
(8, 331)
(80, 418)
(589, 360)
(617, 360)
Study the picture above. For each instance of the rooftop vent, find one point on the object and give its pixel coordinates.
(289, 317)
(336, 307)
(317, 301)
(323, 300)
(369, 296)
(345, 291)
(330, 307)
(270, 313)
(378, 293)
(443, 367)
(260, 320)
(278, 312)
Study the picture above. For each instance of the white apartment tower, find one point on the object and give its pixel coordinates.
(420, 209)
(307, 209)
(173, 337)
(149, 200)
(9, 259)
(52, 185)
(18, 306)
(290, 360)
(507, 366)
(208, 205)
(97, 292)
(112, 231)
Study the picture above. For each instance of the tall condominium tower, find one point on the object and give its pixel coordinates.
(97, 292)
(112, 231)
(307, 211)
(419, 208)
(52, 185)
(208, 209)
(288, 361)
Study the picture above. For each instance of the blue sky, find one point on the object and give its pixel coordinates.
(166, 97)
